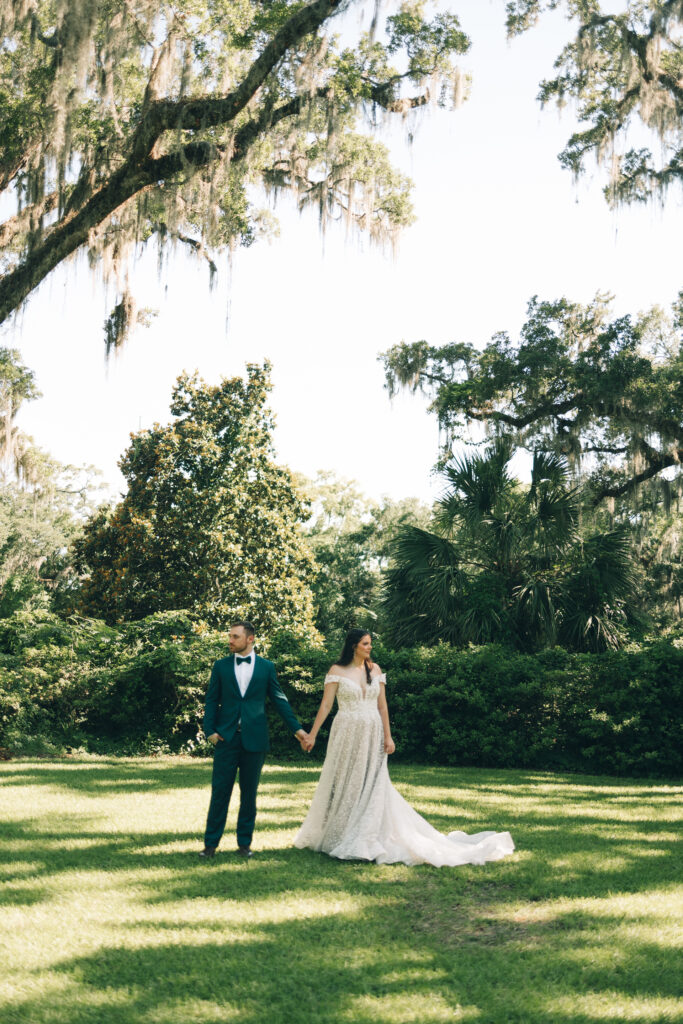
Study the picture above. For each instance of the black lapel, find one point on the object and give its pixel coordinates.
(233, 677)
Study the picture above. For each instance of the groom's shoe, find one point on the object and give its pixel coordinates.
(245, 851)
(208, 852)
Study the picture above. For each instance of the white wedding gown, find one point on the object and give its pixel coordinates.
(356, 814)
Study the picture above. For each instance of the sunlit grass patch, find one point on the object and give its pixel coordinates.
(108, 916)
(407, 1007)
(612, 1006)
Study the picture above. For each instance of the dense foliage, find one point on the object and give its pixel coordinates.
(42, 504)
(140, 687)
(507, 563)
(121, 121)
(209, 522)
(605, 393)
(655, 526)
(79, 680)
(623, 69)
(351, 537)
(617, 712)
(38, 523)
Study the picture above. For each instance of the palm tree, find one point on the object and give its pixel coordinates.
(506, 562)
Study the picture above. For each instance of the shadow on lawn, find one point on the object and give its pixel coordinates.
(318, 969)
(606, 855)
(417, 934)
(103, 778)
(113, 775)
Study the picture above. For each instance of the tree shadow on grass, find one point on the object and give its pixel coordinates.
(350, 966)
(123, 775)
(560, 853)
(110, 776)
(422, 943)
(547, 786)
(283, 973)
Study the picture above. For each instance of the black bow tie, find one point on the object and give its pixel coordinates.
(240, 660)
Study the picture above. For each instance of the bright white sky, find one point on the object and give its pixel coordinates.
(498, 222)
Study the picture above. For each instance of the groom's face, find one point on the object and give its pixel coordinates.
(239, 640)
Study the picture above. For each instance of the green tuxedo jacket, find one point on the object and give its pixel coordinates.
(226, 708)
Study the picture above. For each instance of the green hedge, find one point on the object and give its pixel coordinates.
(618, 712)
(141, 687)
(84, 684)
(615, 712)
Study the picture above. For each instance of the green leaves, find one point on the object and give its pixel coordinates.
(428, 45)
(623, 70)
(606, 394)
(210, 523)
(505, 563)
(351, 538)
(132, 121)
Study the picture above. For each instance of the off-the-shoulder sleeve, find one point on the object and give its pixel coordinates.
(332, 678)
(381, 678)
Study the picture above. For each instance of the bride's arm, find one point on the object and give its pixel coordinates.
(323, 711)
(389, 745)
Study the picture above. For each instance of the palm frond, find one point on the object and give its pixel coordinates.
(476, 482)
(554, 517)
(549, 467)
(536, 610)
(423, 588)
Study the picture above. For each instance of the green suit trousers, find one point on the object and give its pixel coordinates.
(229, 757)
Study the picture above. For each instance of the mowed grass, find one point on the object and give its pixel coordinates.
(109, 917)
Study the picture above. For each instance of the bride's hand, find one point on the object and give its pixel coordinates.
(389, 746)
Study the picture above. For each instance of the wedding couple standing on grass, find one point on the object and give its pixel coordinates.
(355, 814)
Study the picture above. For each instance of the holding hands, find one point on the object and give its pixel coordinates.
(306, 740)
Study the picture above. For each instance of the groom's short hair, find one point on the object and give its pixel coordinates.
(246, 626)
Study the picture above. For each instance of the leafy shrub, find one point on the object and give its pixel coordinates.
(81, 681)
(140, 688)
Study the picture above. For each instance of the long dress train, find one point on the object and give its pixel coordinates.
(356, 814)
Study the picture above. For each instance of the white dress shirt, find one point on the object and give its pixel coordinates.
(244, 672)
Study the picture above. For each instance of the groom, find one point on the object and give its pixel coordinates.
(235, 722)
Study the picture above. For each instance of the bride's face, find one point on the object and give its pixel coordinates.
(364, 646)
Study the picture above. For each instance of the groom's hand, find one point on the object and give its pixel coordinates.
(215, 738)
(305, 740)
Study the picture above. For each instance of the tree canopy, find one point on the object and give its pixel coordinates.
(624, 70)
(607, 393)
(209, 522)
(505, 562)
(17, 385)
(38, 523)
(351, 536)
(124, 120)
(42, 503)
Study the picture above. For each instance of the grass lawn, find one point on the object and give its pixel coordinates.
(108, 916)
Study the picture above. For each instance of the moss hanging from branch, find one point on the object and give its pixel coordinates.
(624, 72)
(119, 117)
(607, 394)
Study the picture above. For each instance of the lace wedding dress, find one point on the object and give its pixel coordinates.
(356, 814)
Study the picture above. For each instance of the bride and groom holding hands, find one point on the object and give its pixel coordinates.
(356, 813)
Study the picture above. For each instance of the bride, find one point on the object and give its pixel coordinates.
(356, 814)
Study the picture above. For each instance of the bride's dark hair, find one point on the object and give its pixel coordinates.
(353, 638)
